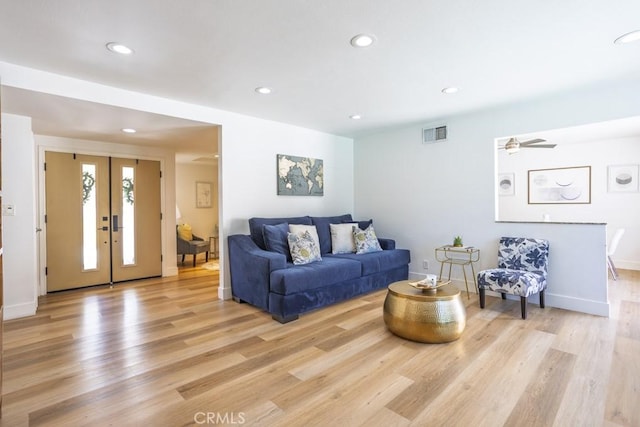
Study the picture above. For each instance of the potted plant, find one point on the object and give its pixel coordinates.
(457, 242)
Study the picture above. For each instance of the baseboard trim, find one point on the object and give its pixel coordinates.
(224, 293)
(597, 308)
(19, 310)
(564, 302)
(627, 265)
(170, 271)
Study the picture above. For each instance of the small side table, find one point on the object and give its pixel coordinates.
(463, 256)
(213, 241)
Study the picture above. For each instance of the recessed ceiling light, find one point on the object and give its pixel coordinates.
(450, 90)
(355, 117)
(119, 48)
(129, 130)
(263, 90)
(633, 36)
(363, 40)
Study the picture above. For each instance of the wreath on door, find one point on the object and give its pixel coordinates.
(88, 182)
(127, 190)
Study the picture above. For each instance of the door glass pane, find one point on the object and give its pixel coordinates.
(128, 215)
(89, 224)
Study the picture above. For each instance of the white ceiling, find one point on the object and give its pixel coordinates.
(71, 118)
(216, 52)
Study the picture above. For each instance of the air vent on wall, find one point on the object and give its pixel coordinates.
(434, 134)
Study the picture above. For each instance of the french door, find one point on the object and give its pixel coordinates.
(103, 220)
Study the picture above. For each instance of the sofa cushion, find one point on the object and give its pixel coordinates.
(255, 226)
(300, 278)
(342, 238)
(376, 262)
(275, 238)
(304, 248)
(366, 240)
(324, 234)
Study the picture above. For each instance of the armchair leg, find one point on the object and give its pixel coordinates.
(523, 306)
(194, 259)
(183, 258)
(503, 295)
(206, 256)
(481, 294)
(541, 299)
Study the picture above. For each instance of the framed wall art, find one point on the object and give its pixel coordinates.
(570, 185)
(622, 178)
(506, 184)
(203, 194)
(300, 176)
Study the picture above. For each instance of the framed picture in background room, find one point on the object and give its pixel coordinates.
(560, 185)
(622, 178)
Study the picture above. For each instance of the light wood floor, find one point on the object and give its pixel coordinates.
(167, 352)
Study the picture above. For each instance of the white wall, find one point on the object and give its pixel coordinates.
(424, 195)
(250, 179)
(19, 231)
(616, 209)
(202, 220)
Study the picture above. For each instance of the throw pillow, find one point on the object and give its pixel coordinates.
(366, 241)
(275, 238)
(324, 233)
(342, 238)
(184, 232)
(301, 228)
(362, 224)
(304, 249)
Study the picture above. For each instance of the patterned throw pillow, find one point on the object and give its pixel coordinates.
(366, 241)
(301, 228)
(304, 249)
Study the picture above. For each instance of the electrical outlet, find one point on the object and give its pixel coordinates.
(425, 264)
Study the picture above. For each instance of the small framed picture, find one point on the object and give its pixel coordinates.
(506, 184)
(622, 178)
(203, 194)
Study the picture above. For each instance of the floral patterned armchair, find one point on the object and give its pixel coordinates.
(522, 271)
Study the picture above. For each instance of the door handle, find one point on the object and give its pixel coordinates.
(115, 223)
(105, 228)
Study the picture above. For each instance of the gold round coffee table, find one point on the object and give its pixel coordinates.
(431, 316)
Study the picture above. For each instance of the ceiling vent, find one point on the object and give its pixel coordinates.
(434, 134)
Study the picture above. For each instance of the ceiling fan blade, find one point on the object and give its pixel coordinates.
(532, 141)
(540, 146)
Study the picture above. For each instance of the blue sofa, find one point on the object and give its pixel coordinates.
(269, 280)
